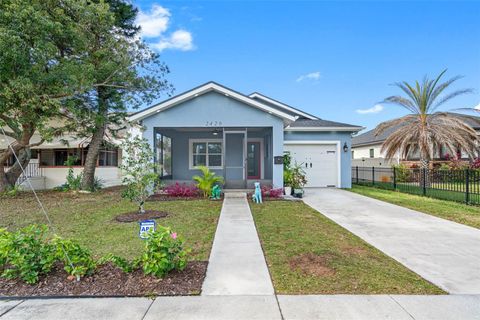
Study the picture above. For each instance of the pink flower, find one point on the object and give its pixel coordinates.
(173, 235)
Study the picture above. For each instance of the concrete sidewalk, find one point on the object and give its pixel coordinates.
(443, 252)
(331, 307)
(237, 265)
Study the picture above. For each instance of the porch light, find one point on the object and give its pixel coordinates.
(345, 147)
(215, 132)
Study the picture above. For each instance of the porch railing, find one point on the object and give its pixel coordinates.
(32, 170)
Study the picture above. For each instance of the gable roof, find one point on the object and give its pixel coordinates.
(369, 138)
(205, 88)
(282, 106)
(321, 125)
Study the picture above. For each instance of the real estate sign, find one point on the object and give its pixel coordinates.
(145, 227)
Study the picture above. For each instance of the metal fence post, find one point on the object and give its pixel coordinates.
(373, 176)
(356, 172)
(394, 178)
(424, 181)
(467, 186)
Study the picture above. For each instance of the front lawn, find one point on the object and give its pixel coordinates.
(454, 211)
(309, 254)
(90, 219)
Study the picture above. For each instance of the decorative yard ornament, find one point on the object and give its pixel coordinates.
(257, 196)
(216, 192)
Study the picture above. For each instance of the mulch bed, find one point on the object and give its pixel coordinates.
(135, 216)
(164, 197)
(109, 280)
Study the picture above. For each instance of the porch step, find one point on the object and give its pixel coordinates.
(235, 194)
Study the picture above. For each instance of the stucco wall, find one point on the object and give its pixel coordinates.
(343, 137)
(217, 110)
(111, 176)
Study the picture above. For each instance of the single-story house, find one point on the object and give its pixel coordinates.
(366, 147)
(243, 138)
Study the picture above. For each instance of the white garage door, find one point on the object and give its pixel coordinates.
(320, 162)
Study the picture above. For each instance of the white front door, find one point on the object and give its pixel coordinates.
(320, 162)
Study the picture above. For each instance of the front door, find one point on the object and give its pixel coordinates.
(253, 160)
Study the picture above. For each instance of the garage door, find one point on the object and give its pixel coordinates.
(320, 162)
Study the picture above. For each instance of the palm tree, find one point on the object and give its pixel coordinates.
(425, 129)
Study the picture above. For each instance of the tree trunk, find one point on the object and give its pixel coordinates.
(9, 178)
(424, 172)
(88, 179)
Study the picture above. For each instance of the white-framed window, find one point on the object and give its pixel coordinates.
(206, 152)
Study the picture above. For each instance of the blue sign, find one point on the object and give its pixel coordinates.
(145, 227)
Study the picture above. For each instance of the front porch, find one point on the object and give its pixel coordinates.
(241, 155)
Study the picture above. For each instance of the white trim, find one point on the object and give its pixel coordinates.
(336, 142)
(281, 105)
(202, 90)
(190, 152)
(350, 129)
(262, 160)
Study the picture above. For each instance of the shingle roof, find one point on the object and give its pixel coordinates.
(370, 138)
(306, 123)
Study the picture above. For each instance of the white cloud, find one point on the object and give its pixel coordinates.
(309, 76)
(477, 107)
(155, 24)
(180, 40)
(375, 109)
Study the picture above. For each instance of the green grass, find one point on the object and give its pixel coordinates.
(289, 230)
(89, 218)
(454, 211)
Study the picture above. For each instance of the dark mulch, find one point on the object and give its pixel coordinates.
(164, 197)
(135, 216)
(109, 280)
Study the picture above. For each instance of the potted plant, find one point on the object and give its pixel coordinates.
(298, 180)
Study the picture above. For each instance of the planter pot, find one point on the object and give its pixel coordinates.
(298, 193)
(288, 190)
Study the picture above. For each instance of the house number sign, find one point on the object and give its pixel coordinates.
(213, 124)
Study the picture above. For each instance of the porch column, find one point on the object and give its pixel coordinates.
(277, 150)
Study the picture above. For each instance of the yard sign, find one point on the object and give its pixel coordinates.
(145, 226)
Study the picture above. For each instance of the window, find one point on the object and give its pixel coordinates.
(206, 153)
(353, 155)
(372, 153)
(108, 157)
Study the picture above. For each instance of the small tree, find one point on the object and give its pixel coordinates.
(140, 176)
(207, 180)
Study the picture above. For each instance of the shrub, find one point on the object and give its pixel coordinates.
(181, 190)
(385, 179)
(77, 260)
(207, 180)
(269, 192)
(26, 254)
(475, 164)
(403, 173)
(163, 252)
(11, 191)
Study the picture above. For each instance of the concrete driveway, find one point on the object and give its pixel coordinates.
(444, 252)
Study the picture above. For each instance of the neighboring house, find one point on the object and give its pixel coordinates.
(47, 169)
(366, 147)
(243, 138)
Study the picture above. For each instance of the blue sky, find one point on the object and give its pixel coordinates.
(330, 59)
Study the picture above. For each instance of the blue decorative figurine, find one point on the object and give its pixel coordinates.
(257, 196)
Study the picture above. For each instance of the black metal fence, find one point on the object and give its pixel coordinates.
(461, 185)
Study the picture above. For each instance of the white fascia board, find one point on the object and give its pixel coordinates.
(201, 90)
(349, 129)
(281, 105)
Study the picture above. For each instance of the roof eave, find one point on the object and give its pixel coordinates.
(282, 105)
(349, 129)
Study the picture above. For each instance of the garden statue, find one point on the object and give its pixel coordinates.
(216, 192)
(257, 196)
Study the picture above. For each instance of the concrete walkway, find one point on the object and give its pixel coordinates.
(444, 252)
(331, 307)
(237, 265)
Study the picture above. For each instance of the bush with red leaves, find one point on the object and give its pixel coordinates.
(181, 190)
